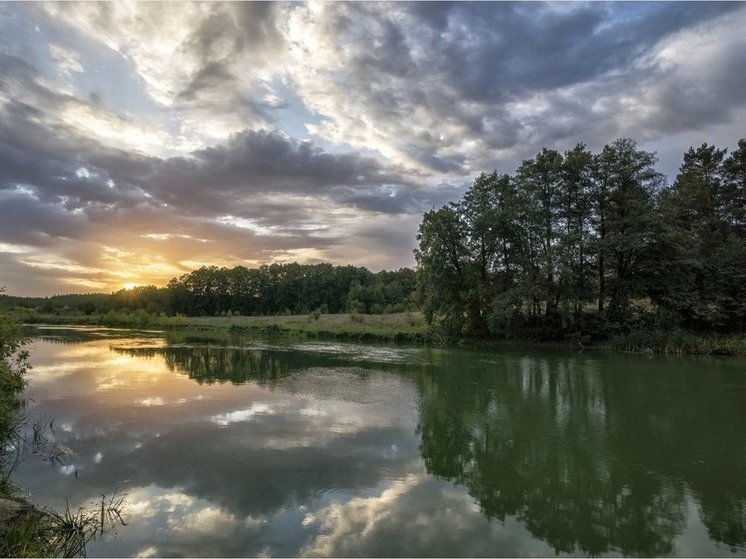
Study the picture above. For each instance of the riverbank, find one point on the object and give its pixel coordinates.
(406, 327)
(25, 530)
(679, 342)
(20, 521)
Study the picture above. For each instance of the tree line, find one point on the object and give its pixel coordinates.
(291, 289)
(582, 243)
(268, 290)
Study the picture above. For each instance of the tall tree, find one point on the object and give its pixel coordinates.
(540, 181)
(694, 217)
(734, 191)
(629, 222)
(444, 274)
(577, 259)
(479, 211)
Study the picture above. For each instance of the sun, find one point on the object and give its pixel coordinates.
(130, 285)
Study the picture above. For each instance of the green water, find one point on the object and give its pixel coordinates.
(329, 449)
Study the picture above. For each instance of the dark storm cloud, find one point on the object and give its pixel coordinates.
(686, 105)
(245, 27)
(211, 75)
(498, 50)
(230, 31)
(227, 176)
(27, 221)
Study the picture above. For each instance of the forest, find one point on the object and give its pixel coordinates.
(275, 289)
(591, 245)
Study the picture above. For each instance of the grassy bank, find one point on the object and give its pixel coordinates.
(398, 327)
(25, 531)
(407, 327)
(20, 523)
(13, 367)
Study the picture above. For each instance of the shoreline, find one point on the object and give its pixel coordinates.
(402, 328)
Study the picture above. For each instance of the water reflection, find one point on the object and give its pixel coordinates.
(593, 461)
(346, 450)
(238, 456)
(269, 364)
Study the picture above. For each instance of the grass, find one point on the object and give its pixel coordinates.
(13, 367)
(37, 533)
(679, 342)
(355, 326)
(396, 327)
(406, 327)
(46, 533)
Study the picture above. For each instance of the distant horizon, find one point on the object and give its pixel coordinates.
(140, 141)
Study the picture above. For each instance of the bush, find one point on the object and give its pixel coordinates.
(13, 368)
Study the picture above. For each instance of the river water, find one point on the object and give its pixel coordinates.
(307, 448)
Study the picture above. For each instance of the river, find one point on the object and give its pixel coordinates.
(310, 448)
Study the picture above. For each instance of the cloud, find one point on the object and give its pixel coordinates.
(211, 60)
(160, 133)
(415, 516)
(261, 162)
(457, 88)
(260, 196)
(700, 77)
(68, 61)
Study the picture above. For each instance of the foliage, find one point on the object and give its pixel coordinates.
(678, 342)
(533, 254)
(13, 367)
(212, 291)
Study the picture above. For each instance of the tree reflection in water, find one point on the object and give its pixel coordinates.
(590, 461)
(592, 455)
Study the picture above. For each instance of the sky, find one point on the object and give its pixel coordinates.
(139, 141)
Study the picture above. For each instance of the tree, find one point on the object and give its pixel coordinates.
(734, 189)
(444, 275)
(696, 226)
(540, 182)
(577, 240)
(525, 255)
(626, 186)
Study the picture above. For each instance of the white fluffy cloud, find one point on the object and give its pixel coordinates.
(212, 62)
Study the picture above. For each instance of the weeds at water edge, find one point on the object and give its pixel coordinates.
(50, 534)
